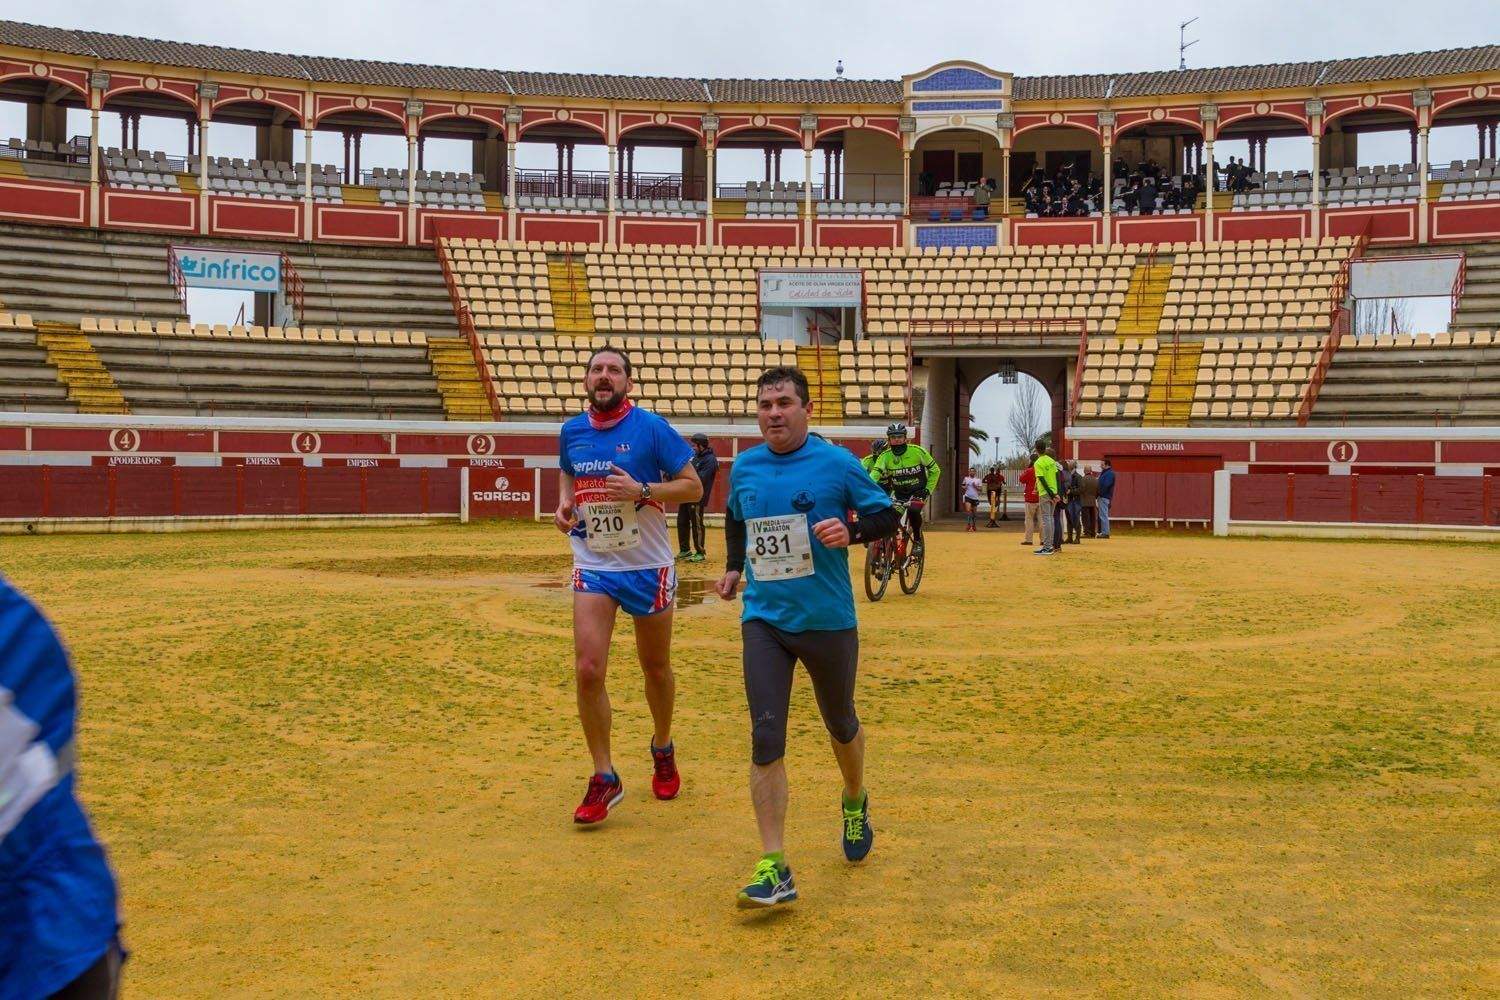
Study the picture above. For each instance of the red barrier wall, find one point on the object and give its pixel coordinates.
(1470, 501)
(32, 491)
(1163, 496)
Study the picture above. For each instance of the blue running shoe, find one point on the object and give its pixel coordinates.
(771, 884)
(859, 835)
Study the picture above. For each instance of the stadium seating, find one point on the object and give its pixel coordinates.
(436, 189)
(1285, 286)
(1413, 379)
(1254, 378)
(179, 368)
(505, 287)
(706, 377)
(1116, 379)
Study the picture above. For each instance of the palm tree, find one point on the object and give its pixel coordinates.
(977, 437)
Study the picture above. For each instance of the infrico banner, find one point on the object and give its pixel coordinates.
(822, 287)
(240, 270)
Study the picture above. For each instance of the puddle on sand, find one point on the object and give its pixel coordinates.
(689, 592)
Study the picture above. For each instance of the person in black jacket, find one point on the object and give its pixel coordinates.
(690, 515)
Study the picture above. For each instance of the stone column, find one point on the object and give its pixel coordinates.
(1107, 134)
(1314, 109)
(710, 125)
(207, 91)
(1209, 114)
(1422, 102)
(98, 84)
(611, 206)
(414, 109)
(307, 184)
(512, 124)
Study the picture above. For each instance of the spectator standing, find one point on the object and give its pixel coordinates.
(982, 199)
(1046, 486)
(971, 485)
(1089, 494)
(1059, 498)
(1028, 495)
(690, 530)
(1074, 496)
(1106, 497)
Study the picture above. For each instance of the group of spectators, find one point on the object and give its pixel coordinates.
(1063, 504)
(1147, 189)
(1070, 191)
(1238, 177)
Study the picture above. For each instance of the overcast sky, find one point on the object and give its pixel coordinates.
(796, 38)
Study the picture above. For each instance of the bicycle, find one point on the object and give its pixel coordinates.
(899, 555)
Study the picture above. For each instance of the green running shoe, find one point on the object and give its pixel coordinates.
(771, 884)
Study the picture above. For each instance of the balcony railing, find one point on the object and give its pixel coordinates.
(595, 184)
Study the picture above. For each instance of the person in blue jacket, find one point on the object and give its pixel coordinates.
(1106, 497)
(59, 929)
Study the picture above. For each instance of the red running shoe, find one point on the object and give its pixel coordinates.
(665, 782)
(603, 795)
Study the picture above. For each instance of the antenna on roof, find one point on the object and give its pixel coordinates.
(1183, 44)
(838, 71)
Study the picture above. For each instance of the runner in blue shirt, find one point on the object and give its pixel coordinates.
(787, 502)
(620, 465)
(58, 923)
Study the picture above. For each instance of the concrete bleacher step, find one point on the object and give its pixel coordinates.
(458, 379)
(824, 382)
(28, 382)
(1145, 298)
(58, 274)
(373, 288)
(1174, 379)
(568, 285)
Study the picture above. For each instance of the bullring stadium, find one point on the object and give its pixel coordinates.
(1258, 760)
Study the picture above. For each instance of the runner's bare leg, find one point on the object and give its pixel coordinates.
(653, 643)
(593, 624)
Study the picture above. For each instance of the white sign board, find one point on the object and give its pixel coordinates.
(820, 288)
(1403, 277)
(240, 270)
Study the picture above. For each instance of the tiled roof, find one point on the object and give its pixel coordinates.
(594, 86)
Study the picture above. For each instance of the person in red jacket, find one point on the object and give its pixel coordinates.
(1028, 484)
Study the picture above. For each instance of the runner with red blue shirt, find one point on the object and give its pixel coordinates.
(620, 465)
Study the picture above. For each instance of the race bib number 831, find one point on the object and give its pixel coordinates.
(779, 547)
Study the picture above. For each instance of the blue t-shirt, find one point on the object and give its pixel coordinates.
(820, 480)
(644, 445)
(57, 896)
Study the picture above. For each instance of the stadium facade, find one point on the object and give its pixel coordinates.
(1220, 304)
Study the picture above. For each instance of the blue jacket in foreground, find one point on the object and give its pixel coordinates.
(57, 896)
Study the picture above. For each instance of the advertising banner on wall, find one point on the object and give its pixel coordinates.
(499, 492)
(237, 270)
(821, 288)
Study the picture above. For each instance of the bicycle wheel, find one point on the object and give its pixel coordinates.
(911, 569)
(877, 570)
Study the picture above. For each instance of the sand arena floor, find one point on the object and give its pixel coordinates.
(344, 763)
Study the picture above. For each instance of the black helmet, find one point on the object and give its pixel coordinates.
(700, 438)
(896, 430)
(877, 446)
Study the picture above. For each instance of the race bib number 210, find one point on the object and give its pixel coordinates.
(610, 526)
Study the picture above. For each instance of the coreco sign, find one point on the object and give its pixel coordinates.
(240, 270)
(820, 288)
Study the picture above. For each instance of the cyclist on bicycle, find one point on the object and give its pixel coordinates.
(907, 471)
